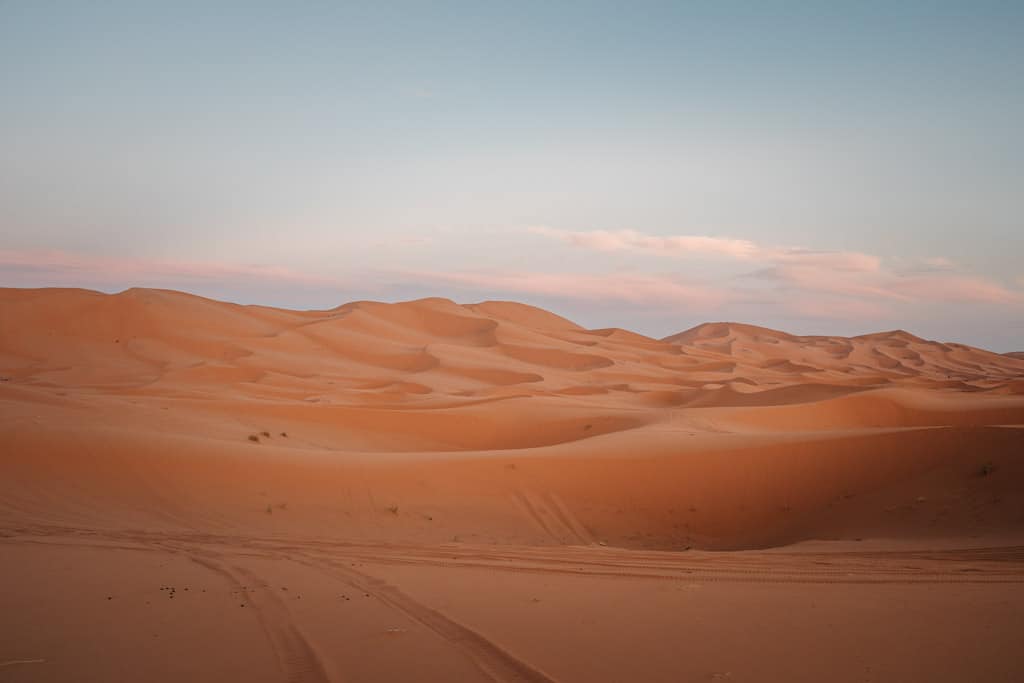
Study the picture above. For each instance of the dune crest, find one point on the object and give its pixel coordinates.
(489, 405)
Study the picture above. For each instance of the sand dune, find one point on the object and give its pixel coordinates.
(484, 386)
(244, 447)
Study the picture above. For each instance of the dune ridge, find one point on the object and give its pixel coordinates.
(162, 340)
(498, 408)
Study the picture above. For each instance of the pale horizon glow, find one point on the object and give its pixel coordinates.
(652, 166)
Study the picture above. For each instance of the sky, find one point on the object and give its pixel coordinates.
(817, 167)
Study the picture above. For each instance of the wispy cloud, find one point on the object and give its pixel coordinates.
(895, 287)
(851, 274)
(826, 307)
(62, 267)
(406, 241)
(845, 261)
(623, 240)
(939, 263)
(821, 280)
(702, 245)
(645, 290)
(955, 288)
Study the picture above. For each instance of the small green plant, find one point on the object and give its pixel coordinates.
(254, 438)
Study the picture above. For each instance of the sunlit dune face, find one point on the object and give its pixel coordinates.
(481, 386)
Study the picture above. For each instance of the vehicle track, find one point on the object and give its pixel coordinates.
(1000, 564)
(493, 660)
(299, 661)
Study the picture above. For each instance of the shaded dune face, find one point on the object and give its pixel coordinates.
(495, 421)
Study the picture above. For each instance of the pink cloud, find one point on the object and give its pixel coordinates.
(66, 267)
(835, 308)
(851, 261)
(746, 250)
(818, 279)
(939, 263)
(937, 286)
(623, 240)
(407, 241)
(636, 289)
(955, 288)
(851, 274)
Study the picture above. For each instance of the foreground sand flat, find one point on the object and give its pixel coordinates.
(194, 490)
(102, 606)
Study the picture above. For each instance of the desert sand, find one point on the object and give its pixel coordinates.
(194, 490)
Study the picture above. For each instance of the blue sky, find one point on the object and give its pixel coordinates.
(850, 166)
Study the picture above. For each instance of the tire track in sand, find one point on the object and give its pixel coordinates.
(493, 660)
(553, 517)
(298, 659)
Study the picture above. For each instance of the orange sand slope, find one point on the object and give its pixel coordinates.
(198, 491)
(493, 422)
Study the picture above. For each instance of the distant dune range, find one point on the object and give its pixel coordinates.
(494, 422)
